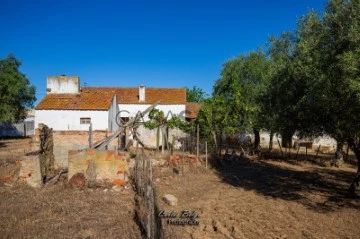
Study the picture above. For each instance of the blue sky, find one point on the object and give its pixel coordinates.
(128, 43)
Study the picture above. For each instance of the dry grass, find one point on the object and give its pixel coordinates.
(55, 212)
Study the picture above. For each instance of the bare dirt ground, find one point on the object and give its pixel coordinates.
(262, 199)
(57, 212)
(251, 198)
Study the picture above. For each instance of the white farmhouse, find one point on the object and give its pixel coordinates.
(67, 107)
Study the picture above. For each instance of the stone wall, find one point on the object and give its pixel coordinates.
(73, 140)
(109, 166)
(79, 140)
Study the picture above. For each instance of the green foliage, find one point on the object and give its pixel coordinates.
(314, 75)
(16, 92)
(214, 119)
(157, 119)
(176, 122)
(242, 80)
(309, 83)
(195, 94)
(329, 62)
(283, 90)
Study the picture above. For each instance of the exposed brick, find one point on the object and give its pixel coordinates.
(119, 182)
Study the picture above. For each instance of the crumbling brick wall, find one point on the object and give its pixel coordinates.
(73, 140)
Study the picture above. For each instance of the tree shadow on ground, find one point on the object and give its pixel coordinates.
(321, 159)
(319, 189)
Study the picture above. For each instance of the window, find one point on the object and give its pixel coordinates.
(85, 120)
(124, 120)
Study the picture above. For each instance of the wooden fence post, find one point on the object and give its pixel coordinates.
(197, 141)
(172, 145)
(106, 135)
(206, 155)
(347, 153)
(289, 146)
(148, 199)
(90, 136)
(157, 139)
(162, 141)
(282, 155)
(297, 152)
(182, 160)
(317, 151)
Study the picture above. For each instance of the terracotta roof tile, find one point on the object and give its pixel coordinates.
(99, 98)
(164, 95)
(192, 110)
(89, 99)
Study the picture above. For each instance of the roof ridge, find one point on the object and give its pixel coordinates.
(134, 87)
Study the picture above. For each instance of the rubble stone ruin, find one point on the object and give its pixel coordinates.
(46, 152)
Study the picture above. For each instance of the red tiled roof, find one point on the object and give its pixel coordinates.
(99, 98)
(166, 96)
(89, 99)
(192, 110)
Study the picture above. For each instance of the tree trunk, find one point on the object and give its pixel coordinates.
(220, 142)
(271, 141)
(355, 183)
(157, 138)
(339, 147)
(257, 138)
(215, 140)
(286, 140)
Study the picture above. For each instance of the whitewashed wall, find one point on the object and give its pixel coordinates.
(149, 136)
(70, 119)
(326, 141)
(134, 108)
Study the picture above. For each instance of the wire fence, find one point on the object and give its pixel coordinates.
(146, 207)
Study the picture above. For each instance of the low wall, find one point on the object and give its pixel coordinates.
(110, 166)
(30, 170)
(73, 140)
(79, 140)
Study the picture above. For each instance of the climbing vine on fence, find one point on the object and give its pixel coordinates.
(158, 119)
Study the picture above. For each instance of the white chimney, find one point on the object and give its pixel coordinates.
(141, 93)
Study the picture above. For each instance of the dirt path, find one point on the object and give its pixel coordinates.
(262, 199)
